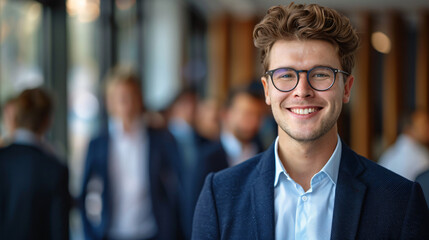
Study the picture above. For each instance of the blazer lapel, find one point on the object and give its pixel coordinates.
(349, 197)
(263, 196)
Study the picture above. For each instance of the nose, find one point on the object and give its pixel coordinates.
(303, 89)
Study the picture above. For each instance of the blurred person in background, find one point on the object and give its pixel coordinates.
(195, 158)
(8, 121)
(34, 196)
(207, 122)
(409, 155)
(129, 184)
(241, 120)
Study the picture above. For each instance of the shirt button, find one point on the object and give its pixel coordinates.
(304, 198)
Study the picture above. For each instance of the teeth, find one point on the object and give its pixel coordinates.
(303, 111)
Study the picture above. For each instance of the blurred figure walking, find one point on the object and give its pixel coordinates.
(34, 197)
(409, 155)
(130, 185)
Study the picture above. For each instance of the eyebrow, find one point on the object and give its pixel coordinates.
(314, 66)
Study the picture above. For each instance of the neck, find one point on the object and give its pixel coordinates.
(243, 142)
(128, 123)
(302, 160)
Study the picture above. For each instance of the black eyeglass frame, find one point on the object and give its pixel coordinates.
(334, 70)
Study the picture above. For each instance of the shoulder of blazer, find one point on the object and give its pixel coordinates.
(369, 171)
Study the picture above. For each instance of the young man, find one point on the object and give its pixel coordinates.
(308, 184)
(129, 184)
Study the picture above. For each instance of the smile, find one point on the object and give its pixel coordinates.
(303, 111)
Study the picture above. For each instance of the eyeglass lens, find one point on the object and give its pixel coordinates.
(320, 78)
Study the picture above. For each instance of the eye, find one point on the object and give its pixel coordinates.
(284, 75)
(321, 74)
(288, 75)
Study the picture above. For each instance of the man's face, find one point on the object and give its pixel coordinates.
(244, 117)
(124, 102)
(323, 107)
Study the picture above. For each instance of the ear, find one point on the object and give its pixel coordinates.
(264, 81)
(348, 88)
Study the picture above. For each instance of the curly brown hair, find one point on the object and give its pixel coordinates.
(307, 22)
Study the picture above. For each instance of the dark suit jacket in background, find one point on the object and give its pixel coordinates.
(423, 180)
(163, 184)
(370, 202)
(34, 197)
(211, 157)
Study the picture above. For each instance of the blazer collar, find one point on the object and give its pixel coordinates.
(349, 196)
(263, 196)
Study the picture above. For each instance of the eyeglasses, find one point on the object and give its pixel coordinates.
(319, 78)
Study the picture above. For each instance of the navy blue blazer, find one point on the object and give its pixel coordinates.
(34, 197)
(370, 202)
(423, 180)
(163, 185)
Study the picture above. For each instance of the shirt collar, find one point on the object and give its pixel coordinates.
(24, 136)
(116, 129)
(331, 168)
(180, 128)
(231, 144)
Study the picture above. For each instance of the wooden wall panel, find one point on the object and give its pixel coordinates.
(218, 52)
(392, 74)
(422, 63)
(242, 52)
(361, 126)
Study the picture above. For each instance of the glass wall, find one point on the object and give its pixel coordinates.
(20, 47)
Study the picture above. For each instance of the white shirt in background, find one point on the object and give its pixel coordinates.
(235, 151)
(132, 215)
(406, 157)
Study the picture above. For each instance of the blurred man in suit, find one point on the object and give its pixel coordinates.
(34, 197)
(129, 185)
(195, 158)
(308, 184)
(241, 121)
(409, 156)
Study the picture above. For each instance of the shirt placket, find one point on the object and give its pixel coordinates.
(302, 214)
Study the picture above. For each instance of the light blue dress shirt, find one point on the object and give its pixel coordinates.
(305, 215)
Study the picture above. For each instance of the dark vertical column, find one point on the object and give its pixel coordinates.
(108, 46)
(140, 41)
(55, 69)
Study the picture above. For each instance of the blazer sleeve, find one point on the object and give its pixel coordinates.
(205, 223)
(416, 220)
(88, 168)
(60, 207)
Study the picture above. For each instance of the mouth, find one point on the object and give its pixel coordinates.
(304, 111)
